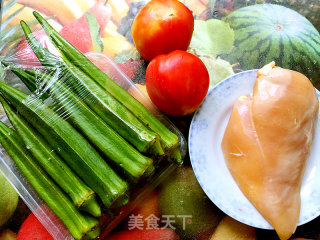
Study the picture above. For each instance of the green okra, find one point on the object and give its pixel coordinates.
(102, 103)
(79, 225)
(125, 158)
(68, 52)
(81, 195)
(81, 157)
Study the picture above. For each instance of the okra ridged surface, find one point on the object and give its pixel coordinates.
(79, 225)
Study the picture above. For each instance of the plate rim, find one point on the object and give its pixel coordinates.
(213, 197)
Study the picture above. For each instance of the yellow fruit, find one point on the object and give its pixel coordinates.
(120, 9)
(114, 43)
(8, 200)
(196, 6)
(231, 229)
(25, 14)
(65, 11)
(110, 27)
(144, 99)
(85, 4)
(7, 234)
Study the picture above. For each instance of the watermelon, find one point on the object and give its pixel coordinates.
(308, 8)
(268, 32)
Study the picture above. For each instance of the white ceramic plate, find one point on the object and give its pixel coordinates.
(205, 136)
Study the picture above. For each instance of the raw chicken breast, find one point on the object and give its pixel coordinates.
(267, 142)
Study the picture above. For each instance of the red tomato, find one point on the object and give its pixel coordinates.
(162, 26)
(177, 82)
(151, 234)
(33, 229)
(150, 206)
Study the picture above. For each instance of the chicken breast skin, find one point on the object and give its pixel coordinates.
(267, 143)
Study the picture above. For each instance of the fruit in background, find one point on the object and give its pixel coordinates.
(229, 228)
(19, 216)
(132, 1)
(115, 70)
(181, 194)
(301, 239)
(143, 89)
(125, 26)
(78, 32)
(161, 27)
(177, 82)
(266, 32)
(114, 43)
(130, 67)
(25, 54)
(8, 200)
(196, 6)
(149, 206)
(110, 27)
(119, 10)
(310, 9)
(25, 14)
(64, 11)
(33, 229)
(144, 99)
(159, 234)
(7, 234)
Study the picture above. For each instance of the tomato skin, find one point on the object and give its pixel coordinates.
(150, 234)
(162, 26)
(177, 82)
(33, 229)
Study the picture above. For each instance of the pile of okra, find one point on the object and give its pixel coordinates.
(79, 139)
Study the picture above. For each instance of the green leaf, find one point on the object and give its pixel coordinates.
(95, 31)
(212, 37)
(218, 69)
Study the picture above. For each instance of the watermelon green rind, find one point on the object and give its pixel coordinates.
(268, 32)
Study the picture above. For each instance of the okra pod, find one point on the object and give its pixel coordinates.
(81, 195)
(103, 104)
(83, 159)
(78, 224)
(32, 86)
(168, 139)
(125, 158)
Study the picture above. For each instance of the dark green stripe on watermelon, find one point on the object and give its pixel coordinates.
(268, 32)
